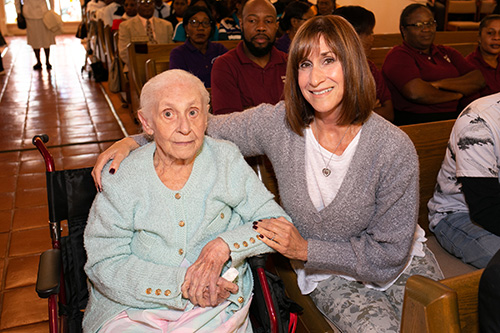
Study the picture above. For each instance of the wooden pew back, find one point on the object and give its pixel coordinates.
(448, 305)
(377, 55)
(430, 140)
(442, 37)
(147, 60)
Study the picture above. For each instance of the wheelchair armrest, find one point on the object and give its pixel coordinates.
(49, 273)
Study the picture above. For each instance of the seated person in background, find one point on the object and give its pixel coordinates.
(325, 7)
(426, 81)
(178, 8)
(112, 11)
(143, 28)
(485, 57)
(197, 54)
(230, 27)
(162, 10)
(489, 297)
(464, 212)
(130, 7)
(363, 22)
(175, 217)
(253, 72)
(180, 32)
(295, 14)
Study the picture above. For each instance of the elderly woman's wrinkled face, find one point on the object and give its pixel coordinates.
(179, 123)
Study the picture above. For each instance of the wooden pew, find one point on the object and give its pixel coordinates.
(442, 37)
(448, 305)
(430, 140)
(157, 57)
(377, 55)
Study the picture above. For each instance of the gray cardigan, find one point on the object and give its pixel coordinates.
(367, 230)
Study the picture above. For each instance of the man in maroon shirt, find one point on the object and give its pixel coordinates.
(254, 72)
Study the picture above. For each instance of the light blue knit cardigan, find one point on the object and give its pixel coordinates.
(135, 240)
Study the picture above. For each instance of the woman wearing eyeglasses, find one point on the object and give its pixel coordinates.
(428, 82)
(197, 54)
(180, 31)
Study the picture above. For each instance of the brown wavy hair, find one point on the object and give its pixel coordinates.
(359, 86)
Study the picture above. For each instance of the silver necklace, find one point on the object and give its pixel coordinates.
(326, 170)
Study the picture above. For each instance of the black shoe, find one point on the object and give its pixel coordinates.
(37, 66)
(49, 66)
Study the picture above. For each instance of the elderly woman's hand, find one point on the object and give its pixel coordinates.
(282, 236)
(204, 275)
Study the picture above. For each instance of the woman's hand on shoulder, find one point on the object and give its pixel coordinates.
(283, 237)
(203, 284)
(117, 152)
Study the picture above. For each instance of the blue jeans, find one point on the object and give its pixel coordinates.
(466, 240)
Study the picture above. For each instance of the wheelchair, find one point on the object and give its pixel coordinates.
(61, 277)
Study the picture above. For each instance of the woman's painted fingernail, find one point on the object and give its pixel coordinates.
(99, 188)
(255, 227)
(260, 236)
(255, 222)
(112, 171)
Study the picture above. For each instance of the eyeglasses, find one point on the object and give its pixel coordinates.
(196, 23)
(421, 25)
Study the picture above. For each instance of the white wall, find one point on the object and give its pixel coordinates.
(386, 12)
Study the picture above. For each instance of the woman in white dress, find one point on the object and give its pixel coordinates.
(38, 35)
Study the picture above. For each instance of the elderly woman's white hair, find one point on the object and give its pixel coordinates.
(160, 84)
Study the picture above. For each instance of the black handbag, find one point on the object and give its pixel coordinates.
(81, 32)
(21, 21)
(99, 71)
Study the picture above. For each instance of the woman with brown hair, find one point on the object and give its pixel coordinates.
(347, 177)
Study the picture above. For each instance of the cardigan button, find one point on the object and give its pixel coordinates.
(245, 244)
(177, 196)
(181, 252)
(252, 240)
(181, 224)
(221, 215)
(149, 291)
(158, 292)
(241, 299)
(236, 245)
(167, 292)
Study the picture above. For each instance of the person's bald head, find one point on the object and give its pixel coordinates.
(259, 26)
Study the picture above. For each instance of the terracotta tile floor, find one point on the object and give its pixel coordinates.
(74, 112)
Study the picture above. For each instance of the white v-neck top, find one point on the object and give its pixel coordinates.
(322, 190)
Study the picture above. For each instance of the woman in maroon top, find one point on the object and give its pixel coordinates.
(485, 57)
(427, 81)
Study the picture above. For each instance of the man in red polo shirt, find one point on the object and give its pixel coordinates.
(254, 72)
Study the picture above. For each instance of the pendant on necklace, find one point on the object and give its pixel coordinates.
(326, 172)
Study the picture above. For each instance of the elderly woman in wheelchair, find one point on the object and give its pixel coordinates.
(167, 229)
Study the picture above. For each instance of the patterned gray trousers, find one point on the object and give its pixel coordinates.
(352, 307)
